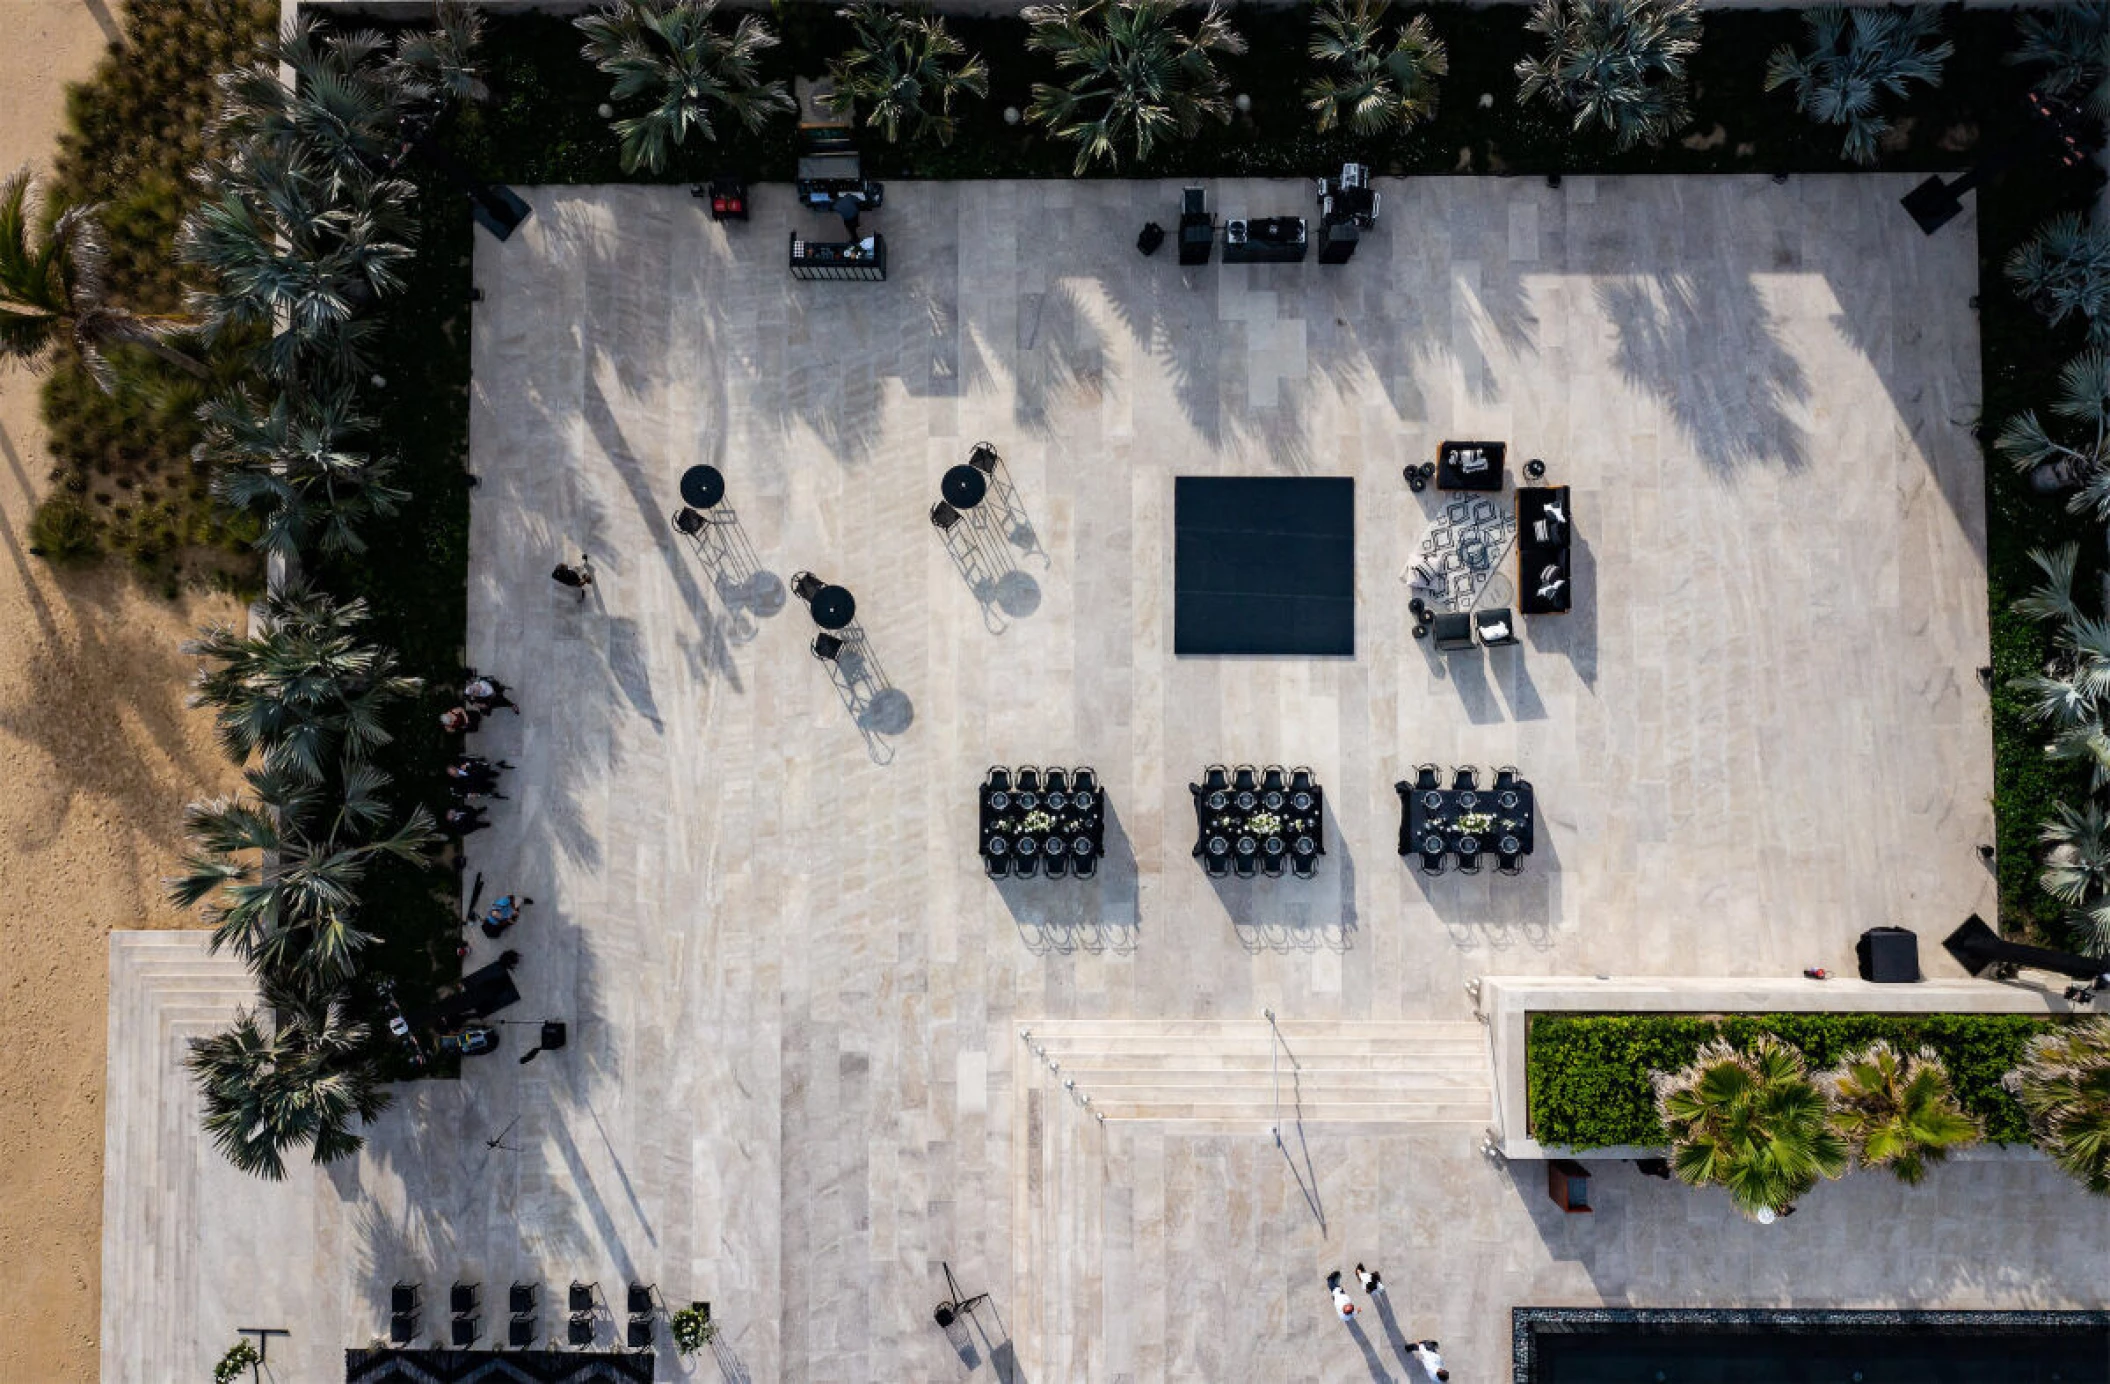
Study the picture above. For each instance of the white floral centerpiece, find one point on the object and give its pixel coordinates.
(1037, 821)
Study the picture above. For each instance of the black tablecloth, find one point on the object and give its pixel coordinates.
(1451, 474)
(1004, 816)
(1230, 821)
(1425, 821)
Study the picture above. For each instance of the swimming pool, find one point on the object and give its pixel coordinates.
(1579, 1345)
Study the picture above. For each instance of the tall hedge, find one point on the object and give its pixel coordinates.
(1588, 1074)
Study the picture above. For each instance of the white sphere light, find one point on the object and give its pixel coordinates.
(1011, 115)
(605, 111)
(1243, 102)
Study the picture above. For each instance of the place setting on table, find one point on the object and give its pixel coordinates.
(1254, 820)
(1465, 821)
(1037, 820)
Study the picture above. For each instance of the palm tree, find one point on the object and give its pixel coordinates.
(293, 462)
(438, 66)
(2070, 692)
(2077, 869)
(303, 690)
(282, 867)
(1853, 60)
(2064, 271)
(53, 292)
(1618, 65)
(1135, 77)
(1375, 89)
(1751, 1122)
(2072, 42)
(906, 68)
(2083, 399)
(301, 1081)
(669, 52)
(1898, 1111)
(2064, 1087)
(336, 117)
(296, 252)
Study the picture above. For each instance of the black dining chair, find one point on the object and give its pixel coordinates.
(1505, 777)
(467, 1328)
(1247, 866)
(1508, 865)
(827, 648)
(638, 1299)
(997, 866)
(1300, 780)
(1246, 779)
(580, 1298)
(1303, 866)
(520, 1331)
(1084, 781)
(1029, 780)
(1426, 777)
(999, 779)
(1025, 866)
(404, 1297)
(1058, 865)
(1216, 779)
(687, 522)
(943, 517)
(1431, 862)
(1271, 865)
(1086, 866)
(640, 1333)
(1217, 866)
(402, 1328)
(1271, 780)
(1469, 862)
(520, 1300)
(465, 1297)
(805, 585)
(1058, 780)
(1465, 778)
(579, 1330)
(984, 458)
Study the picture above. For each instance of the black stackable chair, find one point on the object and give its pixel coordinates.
(640, 1333)
(1084, 781)
(1427, 776)
(638, 1300)
(997, 866)
(468, 1327)
(1216, 865)
(984, 458)
(1303, 866)
(999, 779)
(1086, 866)
(1300, 780)
(827, 648)
(1058, 780)
(1508, 864)
(688, 522)
(1505, 777)
(1246, 779)
(1271, 780)
(520, 1299)
(520, 1332)
(1029, 780)
(806, 586)
(1058, 864)
(1025, 866)
(1469, 862)
(1216, 779)
(1465, 778)
(1431, 862)
(943, 517)
(1247, 866)
(579, 1330)
(581, 1296)
(1271, 865)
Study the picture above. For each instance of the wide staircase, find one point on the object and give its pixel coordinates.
(164, 989)
(1236, 1074)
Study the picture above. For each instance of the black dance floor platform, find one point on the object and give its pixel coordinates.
(1263, 565)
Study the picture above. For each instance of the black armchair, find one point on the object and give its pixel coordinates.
(465, 1297)
(1468, 862)
(640, 1334)
(1497, 627)
(579, 1330)
(638, 1300)
(827, 648)
(404, 1298)
(1453, 631)
(687, 522)
(984, 458)
(467, 1328)
(402, 1328)
(580, 1298)
(1025, 866)
(1508, 864)
(943, 517)
(805, 585)
(520, 1300)
(520, 1332)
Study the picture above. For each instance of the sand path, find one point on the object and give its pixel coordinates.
(97, 757)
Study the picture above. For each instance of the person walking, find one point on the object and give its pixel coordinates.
(1431, 1362)
(485, 695)
(505, 911)
(472, 775)
(1341, 1305)
(578, 578)
(1373, 1283)
(459, 720)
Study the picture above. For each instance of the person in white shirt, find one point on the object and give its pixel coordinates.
(1426, 1356)
(1373, 1282)
(1341, 1304)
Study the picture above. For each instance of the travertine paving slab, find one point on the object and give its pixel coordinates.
(792, 1087)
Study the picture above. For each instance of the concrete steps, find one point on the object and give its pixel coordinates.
(164, 989)
(1234, 1075)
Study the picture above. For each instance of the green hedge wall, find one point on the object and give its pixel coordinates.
(1588, 1074)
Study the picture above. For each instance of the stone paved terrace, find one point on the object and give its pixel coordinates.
(795, 1083)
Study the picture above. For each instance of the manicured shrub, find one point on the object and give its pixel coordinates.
(1589, 1075)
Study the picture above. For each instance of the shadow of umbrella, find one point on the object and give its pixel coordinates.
(890, 712)
(1017, 594)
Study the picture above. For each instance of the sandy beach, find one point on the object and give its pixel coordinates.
(99, 754)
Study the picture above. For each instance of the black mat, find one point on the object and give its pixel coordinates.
(1263, 565)
(492, 1367)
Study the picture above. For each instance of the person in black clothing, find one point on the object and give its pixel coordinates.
(471, 773)
(485, 694)
(460, 821)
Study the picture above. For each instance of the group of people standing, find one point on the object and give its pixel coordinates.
(471, 777)
(1424, 1353)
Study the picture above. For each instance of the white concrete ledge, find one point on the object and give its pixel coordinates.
(1506, 1004)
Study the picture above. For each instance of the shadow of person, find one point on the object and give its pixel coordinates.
(1371, 1358)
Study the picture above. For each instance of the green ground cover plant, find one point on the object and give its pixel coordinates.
(1589, 1074)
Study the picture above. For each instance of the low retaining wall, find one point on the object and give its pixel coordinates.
(1506, 1004)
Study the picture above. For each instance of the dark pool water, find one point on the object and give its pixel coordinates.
(1902, 1356)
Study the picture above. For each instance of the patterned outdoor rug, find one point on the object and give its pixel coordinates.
(1462, 552)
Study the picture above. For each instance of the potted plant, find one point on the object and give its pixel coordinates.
(240, 1356)
(693, 1328)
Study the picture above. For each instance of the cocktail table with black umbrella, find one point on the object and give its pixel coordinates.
(702, 486)
(964, 487)
(833, 607)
